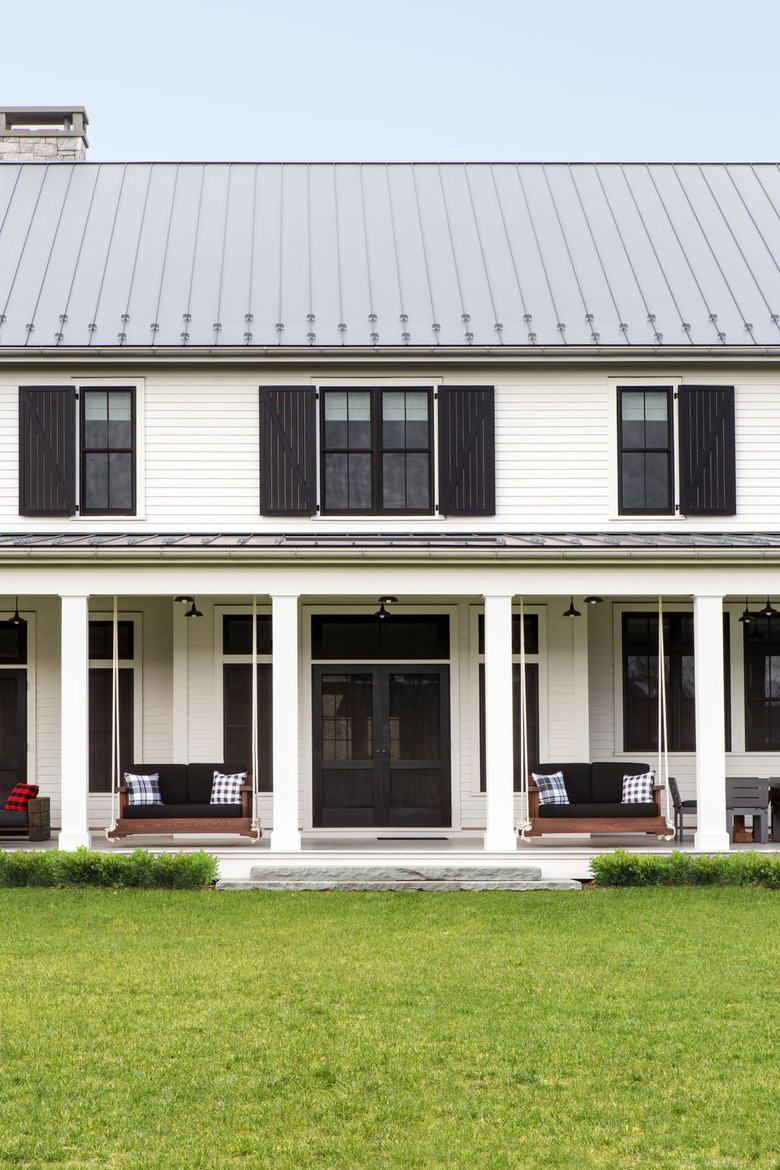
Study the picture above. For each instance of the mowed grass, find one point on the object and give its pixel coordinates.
(179, 1029)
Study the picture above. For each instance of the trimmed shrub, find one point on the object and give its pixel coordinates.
(87, 867)
(747, 868)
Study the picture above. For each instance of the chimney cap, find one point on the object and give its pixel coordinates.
(43, 122)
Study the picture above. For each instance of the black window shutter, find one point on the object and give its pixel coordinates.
(707, 451)
(467, 472)
(288, 454)
(47, 451)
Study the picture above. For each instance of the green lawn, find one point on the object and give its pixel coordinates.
(617, 1028)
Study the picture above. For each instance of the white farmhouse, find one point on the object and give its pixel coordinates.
(465, 387)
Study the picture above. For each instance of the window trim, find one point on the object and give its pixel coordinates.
(670, 449)
(136, 665)
(83, 451)
(377, 450)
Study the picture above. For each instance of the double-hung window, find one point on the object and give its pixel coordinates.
(77, 451)
(676, 451)
(377, 451)
(762, 684)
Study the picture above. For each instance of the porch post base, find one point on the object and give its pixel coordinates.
(711, 842)
(71, 841)
(500, 842)
(282, 842)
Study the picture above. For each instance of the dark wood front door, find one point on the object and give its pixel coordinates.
(13, 728)
(381, 746)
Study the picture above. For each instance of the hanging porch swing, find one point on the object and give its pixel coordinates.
(190, 808)
(585, 813)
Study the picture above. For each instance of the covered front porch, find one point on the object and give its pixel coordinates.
(425, 722)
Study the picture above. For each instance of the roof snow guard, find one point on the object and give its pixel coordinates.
(368, 255)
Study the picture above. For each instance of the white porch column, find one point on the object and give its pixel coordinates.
(285, 835)
(710, 724)
(499, 747)
(74, 714)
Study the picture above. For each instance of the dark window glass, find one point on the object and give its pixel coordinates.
(531, 622)
(237, 717)
(532, 719)
(101, 639)
(237, 634)
(640, 682)
(762, 684)
(13, 643)
(376, 451)
(415, 636)
(100, 704)
(645, 451)
(108, 451)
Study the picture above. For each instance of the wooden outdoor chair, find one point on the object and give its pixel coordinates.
(748, 796)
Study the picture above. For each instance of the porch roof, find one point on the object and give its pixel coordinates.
(528, 542)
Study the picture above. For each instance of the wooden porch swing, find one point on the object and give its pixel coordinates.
(186, 787)
(597, 806)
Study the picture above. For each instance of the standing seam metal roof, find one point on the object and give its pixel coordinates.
(364, 254)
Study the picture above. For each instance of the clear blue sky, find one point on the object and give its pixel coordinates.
(404, 79)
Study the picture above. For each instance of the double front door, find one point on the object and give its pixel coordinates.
(381, 746)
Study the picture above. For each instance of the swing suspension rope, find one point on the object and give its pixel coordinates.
(663, 746)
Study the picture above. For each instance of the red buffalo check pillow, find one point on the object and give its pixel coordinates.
(17, 801)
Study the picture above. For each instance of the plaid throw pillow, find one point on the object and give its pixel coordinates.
(552, 789)
(143, 789)
(638, 789)
(17, 801)
(227, 789)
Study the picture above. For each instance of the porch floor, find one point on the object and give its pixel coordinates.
(557, 857)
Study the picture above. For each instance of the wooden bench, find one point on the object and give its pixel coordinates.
(595, 793)
(35, 823)
(185, 790)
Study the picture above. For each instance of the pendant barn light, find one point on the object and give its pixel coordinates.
(747, 616)
(17, 619)
(571, 611)
(770, 611)
(593, 600)
(382, 613)
(193, 611)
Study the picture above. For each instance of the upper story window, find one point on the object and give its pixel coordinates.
(374, 451)
(77, 451)
(665, 468)
(645, 451)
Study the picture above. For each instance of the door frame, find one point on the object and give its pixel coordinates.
(381, 674)
(458, 615)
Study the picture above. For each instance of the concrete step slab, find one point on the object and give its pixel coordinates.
(407, 886)
(395, 873)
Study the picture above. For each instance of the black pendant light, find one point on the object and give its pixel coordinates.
(193, 611)
(770, 611)
(17, 619)
(593, 600)
(571, 611)
(747, 616)
(382, 613)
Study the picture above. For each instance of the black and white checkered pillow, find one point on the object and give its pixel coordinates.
(638, 789)
(143, 789)
(227, 789)
(552, 789)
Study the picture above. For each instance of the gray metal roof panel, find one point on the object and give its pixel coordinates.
(221, 254)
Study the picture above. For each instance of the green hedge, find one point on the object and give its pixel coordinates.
(681, 869)
(86, 867)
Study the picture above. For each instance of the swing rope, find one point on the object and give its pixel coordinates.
(255, 823)
(115, 743)
(524, 825)
(663, 746)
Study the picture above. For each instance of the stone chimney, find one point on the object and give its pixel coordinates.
(43, 134)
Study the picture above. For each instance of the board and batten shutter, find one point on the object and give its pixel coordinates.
(288, 451)
(47, 451)
(707, 451)
(467, 459)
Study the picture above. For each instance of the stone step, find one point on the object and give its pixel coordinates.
(409, 885)
(395, 873)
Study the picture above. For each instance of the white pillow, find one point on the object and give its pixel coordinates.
(638, 789)
(143, 789)
(227, 789)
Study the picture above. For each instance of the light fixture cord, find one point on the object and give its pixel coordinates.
(663, 747)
